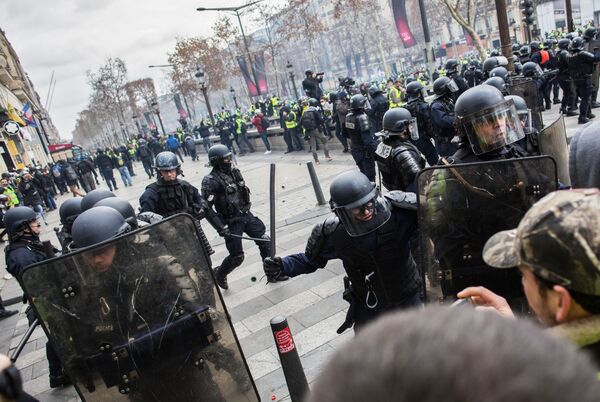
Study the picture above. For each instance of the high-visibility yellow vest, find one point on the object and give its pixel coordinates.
(395, 93)
(292, 123)
(12, 195)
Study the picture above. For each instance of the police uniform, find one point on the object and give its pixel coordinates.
(399, 162)
(362, 143)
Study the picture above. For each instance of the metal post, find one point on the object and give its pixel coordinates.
(428, 49)
(505, 44)
(569, 14)
(316, 185)
(161, 123)
(23, 341)
(272, 208)
(294, 85)
(212, 118)
(290, 360)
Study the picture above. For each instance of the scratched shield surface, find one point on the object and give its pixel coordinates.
(139, 318)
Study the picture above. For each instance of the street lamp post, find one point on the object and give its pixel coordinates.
(290, 69)
(234, 97)
(157, 111)
(236, 11)
(201, 76)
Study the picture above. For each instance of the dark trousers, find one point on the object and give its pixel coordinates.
(109, 177)
(296, 138)
(177, 151)
(363, 314)
(147, 164)
(49, 200)
(253, 227)
(365, 162)
(206, 143)
(62, 186)
(243, 139)
(287, 137)
(340, 135)
(584, 90)
(567, 99)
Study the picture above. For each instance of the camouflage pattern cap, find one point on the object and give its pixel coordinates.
(558, 238)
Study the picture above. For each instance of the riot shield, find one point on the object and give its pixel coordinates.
(526, 89)
(594, 46)
(553, 142)
(139, 318)
(462, 206)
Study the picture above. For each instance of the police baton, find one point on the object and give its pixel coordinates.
(290, 360)
(272, 208)
(249, 238)
(23, 341)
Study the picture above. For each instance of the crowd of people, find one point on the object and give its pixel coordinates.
(484, 213)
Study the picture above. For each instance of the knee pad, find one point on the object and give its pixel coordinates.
(237, 260)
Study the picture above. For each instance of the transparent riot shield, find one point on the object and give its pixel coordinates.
(139, 318)
(526, 89)
(553, 141)
(462, 206)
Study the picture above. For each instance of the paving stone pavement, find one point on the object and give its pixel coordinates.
(312, 303)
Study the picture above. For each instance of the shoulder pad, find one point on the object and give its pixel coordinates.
(315, 242)
(330, 225)
(402, 199)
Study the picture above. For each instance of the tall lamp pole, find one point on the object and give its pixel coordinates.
(234, 97)
(157, 111)
(290, 69)
(201, 76)
(236, 11)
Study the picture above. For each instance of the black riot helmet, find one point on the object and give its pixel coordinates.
(501, 72)
(531, 69)
(68, 211)
(122, 206)
(313, 102)
(16, 220)
(518, 68)
(166, 160)
(534, 46)
(488, 120)
(444, 86)
(415, 90)
(523, 111)
(219, 156)
(397, 121)
(564, 43)
(451, 66)
(589, 33)
(498, 83)
(357, 102)
(494, 52)
(570, 35)
(492, 62)
(525, 50)
(91, 198)
(515, 48)
(358, 204)
(577, 44)
(97, 225)
(374, 90)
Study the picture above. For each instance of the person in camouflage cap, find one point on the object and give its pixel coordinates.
(557, 250)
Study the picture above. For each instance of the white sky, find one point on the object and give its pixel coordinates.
(73, 36)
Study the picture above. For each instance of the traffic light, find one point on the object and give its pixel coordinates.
(527, 10)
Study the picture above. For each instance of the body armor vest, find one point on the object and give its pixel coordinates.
(233, 196)
(355, 129)
(172, 198)
(391, 177)
(382, 276)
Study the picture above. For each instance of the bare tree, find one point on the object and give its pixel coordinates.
(464, 12)
(108, 85)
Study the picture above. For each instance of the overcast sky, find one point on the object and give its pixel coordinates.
(73, 36)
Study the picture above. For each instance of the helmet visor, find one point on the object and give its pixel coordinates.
(413, 129)
(452, 87)
(365, 218)
(493, 128)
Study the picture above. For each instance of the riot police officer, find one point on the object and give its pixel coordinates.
(225, 190)
(370, 233)
(488, 125)
(418, 108)
(498, 83)
(588, 36)
(534, 72)
(399, 161)
(379, 105)
(581, 64)
(24, 249)
(473, 75)
(564, 78)
(528, 145)
(501, 72)
(524, 54)
(492, 62)
(442, 115)
(362, 142)
(68, 211)
(453, 73)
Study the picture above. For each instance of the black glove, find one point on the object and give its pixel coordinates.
(272, 267)
(225, 232)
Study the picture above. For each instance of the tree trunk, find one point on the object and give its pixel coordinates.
(465, 24)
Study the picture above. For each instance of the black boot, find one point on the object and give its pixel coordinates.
(221, 278)
(58, 380)
(7, 313)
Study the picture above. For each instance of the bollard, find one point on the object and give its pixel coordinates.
(290, 360)
(316, 185)
(272, 209)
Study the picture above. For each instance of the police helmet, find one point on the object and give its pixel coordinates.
(534, 46)
(342, 95)
(69, 210)
(166, 160)
(97, 225)
(518, 68)
(531, 69)
(358, 204)
(522, 110)
(525, 50)
(217, 153)
(374, 90)
(498, 83)
(409, 80)
(494, 52)
(396, 121)
(488, 120)
(357, 102)
(444, 86)
(589, 33)
(414, 90)
(122, 206)
(492, 62)
(313, 102)
(16, 220)
(451, 66)
(564, 43)
(577, 44)
(501, 72)
(515, 48)
(91, 198)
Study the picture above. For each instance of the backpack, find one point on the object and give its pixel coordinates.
(70, 172)
(56, 171)
(265, 122)
(308, 120)
(120, 161)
